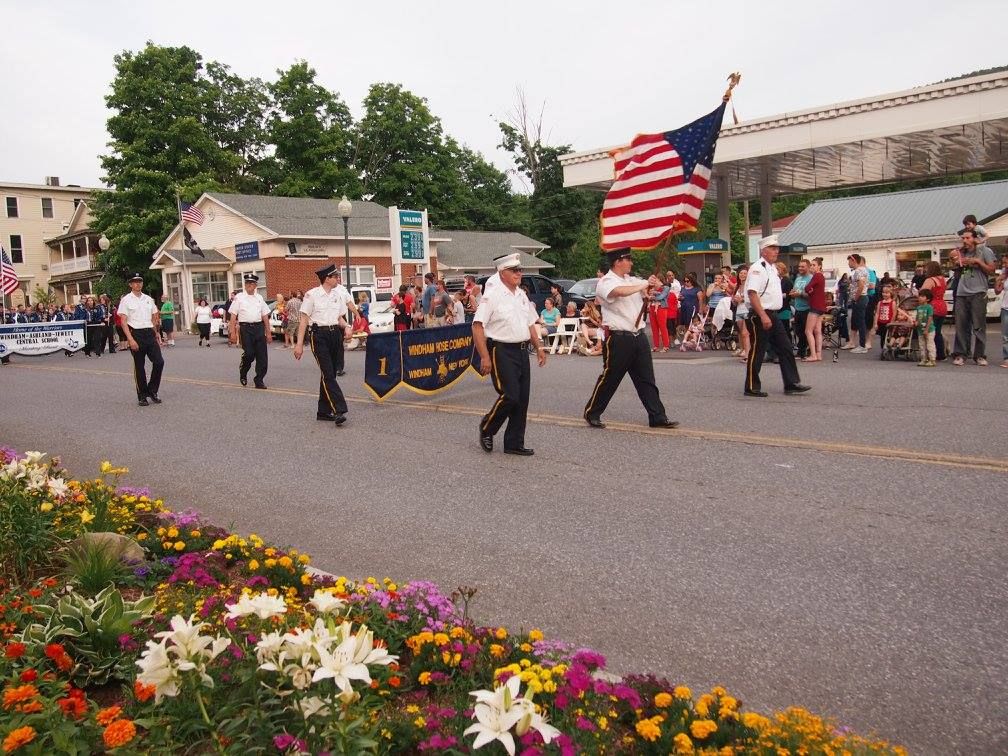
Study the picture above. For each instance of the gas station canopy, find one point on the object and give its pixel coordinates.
(949, 128)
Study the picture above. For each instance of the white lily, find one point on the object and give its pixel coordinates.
(365, 651)
(268, 651)
(34, 457)
(497, 711)
(187, 643)
(58, 487)
(262, 605)
(14, 470)
(37, 479)
(313, 705)
(325, 602)
(157, 669)
(339, 665)
(533, 720)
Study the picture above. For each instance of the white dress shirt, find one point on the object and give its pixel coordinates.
(326, 309)
(250, 308)
(505, 314)
(138, 310)
(620, 313)
(764, 279)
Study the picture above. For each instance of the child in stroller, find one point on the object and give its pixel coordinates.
(898, 334)
(694, 335)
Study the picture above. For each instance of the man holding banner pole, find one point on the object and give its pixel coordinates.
(323, 317)
(502, 327)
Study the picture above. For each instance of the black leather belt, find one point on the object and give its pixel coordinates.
(614, 331)
(316, 327)
(513, 344)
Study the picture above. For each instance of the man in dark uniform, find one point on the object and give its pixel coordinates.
(250, 327)
(323, 319)
(502, 327)
(140, 319)
(626, 348)
(763, 288)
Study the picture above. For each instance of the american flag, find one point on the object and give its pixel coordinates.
(661, 181)
(191, 214)
(8, 276)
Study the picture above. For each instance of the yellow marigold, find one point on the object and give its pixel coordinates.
(304, 559)
(702, 728)
(46, 506)
(194, 534)
(253, 564)
(17, 738)
(662, 700)
(500, 633)
(286, 562)
(682, 743)
(441, 639)
(755, 721)
(270, 551)
(179, 546)
(457, 632)
(270, 563)
(496, 650)
(173, 532)
(729, 702)
(166, 545)
(649, 729)
(412, 709)
(141, 536)
(718, 691)
(681, 691)
(420, 722)
(119, 732)
(305, 579)
(108, 716)
(603, 723)
(526, 648)
(424, 678)
(535, 635)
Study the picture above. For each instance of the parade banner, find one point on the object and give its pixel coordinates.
(424, 360)
(41, 338)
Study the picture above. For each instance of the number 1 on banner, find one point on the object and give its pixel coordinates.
(383, 366)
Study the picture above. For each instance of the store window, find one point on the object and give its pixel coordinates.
(16, 249)
(359, 275)
(240, 286)
(47, 211)
(210, 286)
(906, 262)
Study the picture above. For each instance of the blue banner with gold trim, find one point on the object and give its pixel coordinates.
(424, 360)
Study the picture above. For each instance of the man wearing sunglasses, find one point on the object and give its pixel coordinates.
(502, 327)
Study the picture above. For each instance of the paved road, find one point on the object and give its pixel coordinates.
(843, 550)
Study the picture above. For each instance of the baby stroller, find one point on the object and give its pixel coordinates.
(901, 340)
(696, 334)
(720, 328)
(834, 322)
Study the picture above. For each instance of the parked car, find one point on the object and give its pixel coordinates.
(582, 291)
(538, 288)
(564, 283)
(276, 321)
(994, 302)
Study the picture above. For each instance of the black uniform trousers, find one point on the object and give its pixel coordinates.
(149, 348)
(626, 352)
(94, 338)
(512, 379)
(778, 337)
(252, 337)
(327, 344)
(110, 336)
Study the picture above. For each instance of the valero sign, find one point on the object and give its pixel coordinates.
(410, 235)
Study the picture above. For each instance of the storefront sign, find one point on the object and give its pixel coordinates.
(707, 245)
(410, 235)
(424, 360)
(314, 248)
(246, 251)
(41, 338)
(383, 283)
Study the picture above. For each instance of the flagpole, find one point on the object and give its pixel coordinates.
(185, 273)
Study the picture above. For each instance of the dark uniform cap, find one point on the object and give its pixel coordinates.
(250, 278)
(136, 277)
(324, 273)
(617, 254)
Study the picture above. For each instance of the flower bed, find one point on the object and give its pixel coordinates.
(174, 635)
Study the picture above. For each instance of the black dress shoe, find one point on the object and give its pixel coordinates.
(154, 398)
(260, 385)
(485, 441)
(243, 380)
(339, 419)
(521, 451)
(666, 423)
(798, 388)
(594, 422)
(325, 416)
(755, 393)
(341, 372)
(143, 402)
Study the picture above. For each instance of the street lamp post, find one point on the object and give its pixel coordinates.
(345, 208)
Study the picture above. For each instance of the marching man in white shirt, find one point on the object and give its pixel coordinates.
(140, 320)
(502, 327)
(626, 348)
(251, 314)
(763, 288)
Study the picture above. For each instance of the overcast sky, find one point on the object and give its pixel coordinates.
(605, 70)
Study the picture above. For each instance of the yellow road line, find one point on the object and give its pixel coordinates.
(858, 450)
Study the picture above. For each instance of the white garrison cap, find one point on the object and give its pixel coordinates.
(508, 261)
(769, 241)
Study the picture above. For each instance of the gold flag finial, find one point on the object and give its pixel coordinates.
(733, 79)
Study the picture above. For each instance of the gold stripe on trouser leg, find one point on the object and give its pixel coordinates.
(601, 378)
(498, 387)
(136, 383)
(325, 389)
(751, 361)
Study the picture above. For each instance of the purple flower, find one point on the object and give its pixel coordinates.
(438, 742)
(585, 724)
(285, 742)
(591, 659)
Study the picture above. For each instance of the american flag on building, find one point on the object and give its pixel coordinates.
(8, 276)
(191, 214)
(661, 180)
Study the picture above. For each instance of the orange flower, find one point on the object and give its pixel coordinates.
(143, 692)
(14, 696)
(58, 654)
(14, 650)
(118, 733)
(108, 716)
(17, 738)
(30, 708)
(394, 681)
(75, 704)
(35, 592)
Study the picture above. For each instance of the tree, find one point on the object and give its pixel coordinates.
(236, 114)
(311, 129)
(488, 203)
(159, 143)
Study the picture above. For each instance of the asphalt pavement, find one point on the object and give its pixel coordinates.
(843, 550)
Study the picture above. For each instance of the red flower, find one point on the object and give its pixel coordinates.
(29, 675)
(53, 650)
(14, 650)
(75, 704)
(35, 592)
(58, 654)
(143, 692)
